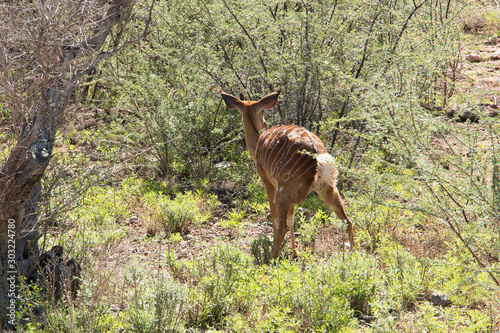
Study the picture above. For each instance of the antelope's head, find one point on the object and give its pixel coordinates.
(252, 112)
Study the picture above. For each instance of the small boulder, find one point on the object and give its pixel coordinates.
(451, 112)
(473, 57)
(440, 299)
(492, 41)
(464, 112)
(224, 165)
(59, 277)
(469, 115)
(489, 110)
(495, 56)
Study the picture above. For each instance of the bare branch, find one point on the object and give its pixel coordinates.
(44, 52)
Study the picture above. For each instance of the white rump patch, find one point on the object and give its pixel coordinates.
(327, 173)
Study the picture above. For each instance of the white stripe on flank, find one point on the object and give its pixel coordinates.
(270, 139)
(277, 158)
(263, 146)
(269, 153)
(303, 173)
(274, 158)
(298, 156)
(282, 159)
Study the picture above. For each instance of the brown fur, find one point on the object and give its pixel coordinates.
(287, 160)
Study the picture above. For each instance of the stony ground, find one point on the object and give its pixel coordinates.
(481, 74)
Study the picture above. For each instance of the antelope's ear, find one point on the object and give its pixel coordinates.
(269, 101)
(232, 102)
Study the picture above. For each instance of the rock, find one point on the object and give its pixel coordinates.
(419, 226)
(489, 110)
(495, 56)
(451, 112)
(58, 277)
(492, 41)
(464, 112)
(473, 57)
(223, 165)
(469, 115)
(440, 299)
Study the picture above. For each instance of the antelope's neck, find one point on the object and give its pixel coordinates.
(251, 136)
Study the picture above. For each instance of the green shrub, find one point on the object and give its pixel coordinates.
(260, 249)
(328, 73)
(226, 289)
(215, 279)
(98, 217)
(315, 296)
(309, 229)
(405, 276)
(156, 305)
(234, 222)
(175, 215)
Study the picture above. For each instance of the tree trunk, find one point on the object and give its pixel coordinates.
(20, 186)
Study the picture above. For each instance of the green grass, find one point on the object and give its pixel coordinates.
(223, 290)
(144, 197)
(175, 215)
(138, 283)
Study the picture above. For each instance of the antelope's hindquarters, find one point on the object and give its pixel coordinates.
(284, 154)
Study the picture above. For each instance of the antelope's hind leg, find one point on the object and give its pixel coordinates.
(331, 196)
(284, 216)
(290, 221)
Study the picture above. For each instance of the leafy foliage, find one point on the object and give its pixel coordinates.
(325, 296)
(174, 216)
(331, 60)
(371, 78)
(260, 249)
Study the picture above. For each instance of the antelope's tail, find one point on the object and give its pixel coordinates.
(326, 171)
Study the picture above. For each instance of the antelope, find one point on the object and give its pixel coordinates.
(292, 162)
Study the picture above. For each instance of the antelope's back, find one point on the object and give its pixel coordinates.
(283, 153)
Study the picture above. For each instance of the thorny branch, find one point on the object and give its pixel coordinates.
(457, 232)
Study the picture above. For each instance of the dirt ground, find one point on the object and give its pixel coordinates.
(479, 76)
(481, 71)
